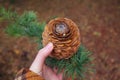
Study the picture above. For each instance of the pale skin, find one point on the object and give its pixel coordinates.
(40, 68)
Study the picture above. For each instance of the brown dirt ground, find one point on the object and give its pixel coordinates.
(99, 22)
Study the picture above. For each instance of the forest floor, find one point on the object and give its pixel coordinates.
(99, 23)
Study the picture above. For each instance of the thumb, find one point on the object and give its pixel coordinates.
(40, 58)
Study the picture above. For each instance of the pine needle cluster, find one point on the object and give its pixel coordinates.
(25, 24)
(22, 25)
(28, 25)
(75, 66)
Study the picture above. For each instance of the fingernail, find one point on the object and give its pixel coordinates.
(50, 44)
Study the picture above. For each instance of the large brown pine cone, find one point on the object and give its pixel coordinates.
(65, 36)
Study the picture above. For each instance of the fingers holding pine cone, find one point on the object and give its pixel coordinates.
(65, 36)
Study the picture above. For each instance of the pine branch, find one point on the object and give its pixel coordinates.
(27, 25)
(23, 25)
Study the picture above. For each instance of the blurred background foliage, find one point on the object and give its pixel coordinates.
(98, 21)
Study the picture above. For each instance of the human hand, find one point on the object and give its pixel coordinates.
(41, 69)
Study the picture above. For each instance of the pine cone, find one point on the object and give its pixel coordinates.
(65, 36)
